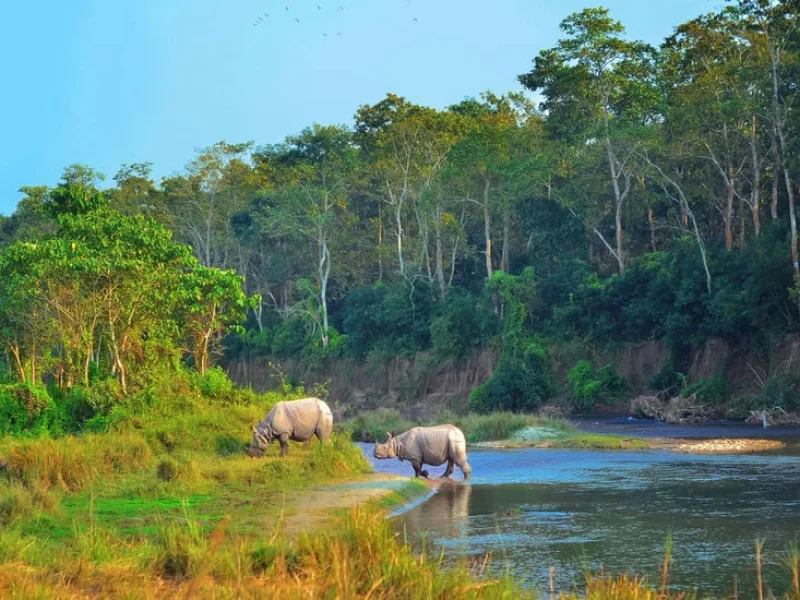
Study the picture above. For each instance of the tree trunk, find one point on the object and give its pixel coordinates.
(15, 351)
(399, 224)
(487, 227)
(782, 151)
(742, 228)
(619, 202)
(118, 364)
(506, 241)
(776, 168)
(380, 244)
(439, 252)
(755, 196)
(324, 274)
(652, 223)
(774, 204)
(729, 211)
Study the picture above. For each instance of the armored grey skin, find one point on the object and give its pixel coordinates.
(428, 446)
(296, 420)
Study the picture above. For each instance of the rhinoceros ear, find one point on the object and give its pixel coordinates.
(389, 436)
(253, 428)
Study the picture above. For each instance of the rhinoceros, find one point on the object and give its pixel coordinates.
(428, 446)
(296, 420)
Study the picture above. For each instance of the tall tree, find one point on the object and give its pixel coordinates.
(598, 86)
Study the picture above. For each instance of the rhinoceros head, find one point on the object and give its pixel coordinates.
(387, 450)
(261, 438)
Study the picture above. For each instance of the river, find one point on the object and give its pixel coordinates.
(581, 510)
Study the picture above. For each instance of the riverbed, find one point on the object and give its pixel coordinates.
(613, 511)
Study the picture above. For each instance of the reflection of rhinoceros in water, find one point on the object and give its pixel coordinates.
(444, 514)
(428, 446)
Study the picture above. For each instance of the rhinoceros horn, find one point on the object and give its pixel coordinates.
(253, 428)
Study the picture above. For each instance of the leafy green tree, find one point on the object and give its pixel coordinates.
(316, 172)
(599, 88)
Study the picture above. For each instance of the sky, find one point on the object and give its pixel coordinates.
(107, 82)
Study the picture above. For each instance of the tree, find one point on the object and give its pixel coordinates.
(598, 87)
(315, 173)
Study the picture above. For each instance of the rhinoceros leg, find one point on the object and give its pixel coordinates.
(284, 440)
(466, 469)
(418, 470)
(449, 470)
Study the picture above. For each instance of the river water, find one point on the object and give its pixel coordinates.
(589, 511)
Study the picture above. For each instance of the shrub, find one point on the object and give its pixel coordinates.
(27, 409)
(167, 470)
(214, 383)
(484, 428)
(372, 425)
(779, 390)
(523, 378)
(73, 463)
(589, 386)
(708, 391)
(463, 322)
(335, 458)
(228, 445)
(522, 381)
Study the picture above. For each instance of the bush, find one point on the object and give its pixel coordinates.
(712, 391)
(589, 386)
(214, 383)
(485, 428)
(463, 322)
(521, 382)
(372, 425)
(167, 470)
(523, 378)
(27, 409)
(779, 390)
(73, 463)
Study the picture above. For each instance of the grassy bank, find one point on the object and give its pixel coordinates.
(165, 504)
(506, 429)
(357, 557)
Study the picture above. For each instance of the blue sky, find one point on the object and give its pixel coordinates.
(106, 82)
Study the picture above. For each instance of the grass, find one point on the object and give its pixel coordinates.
(512, 429)
(166, 505)
(357, 557)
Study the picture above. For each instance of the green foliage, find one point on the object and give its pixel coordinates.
(462, 324)
(371, 426)
(779, 390)
(712, 392)
(589, 386)
(27, 409)
(388, 319)
(523, 378)
(214, 383)
(500, 425)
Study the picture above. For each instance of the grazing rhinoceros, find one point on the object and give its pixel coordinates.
(428, 446)
(295, 420)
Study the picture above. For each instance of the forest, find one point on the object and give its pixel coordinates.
(625, 193)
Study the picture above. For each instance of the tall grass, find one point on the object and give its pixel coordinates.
(370, 426)
(358, 556)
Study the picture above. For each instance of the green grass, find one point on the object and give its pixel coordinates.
(508, 428)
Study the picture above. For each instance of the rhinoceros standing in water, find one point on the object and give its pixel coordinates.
(428, 446)
(296, 420)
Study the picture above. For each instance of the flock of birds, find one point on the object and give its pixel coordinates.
(262, 18)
